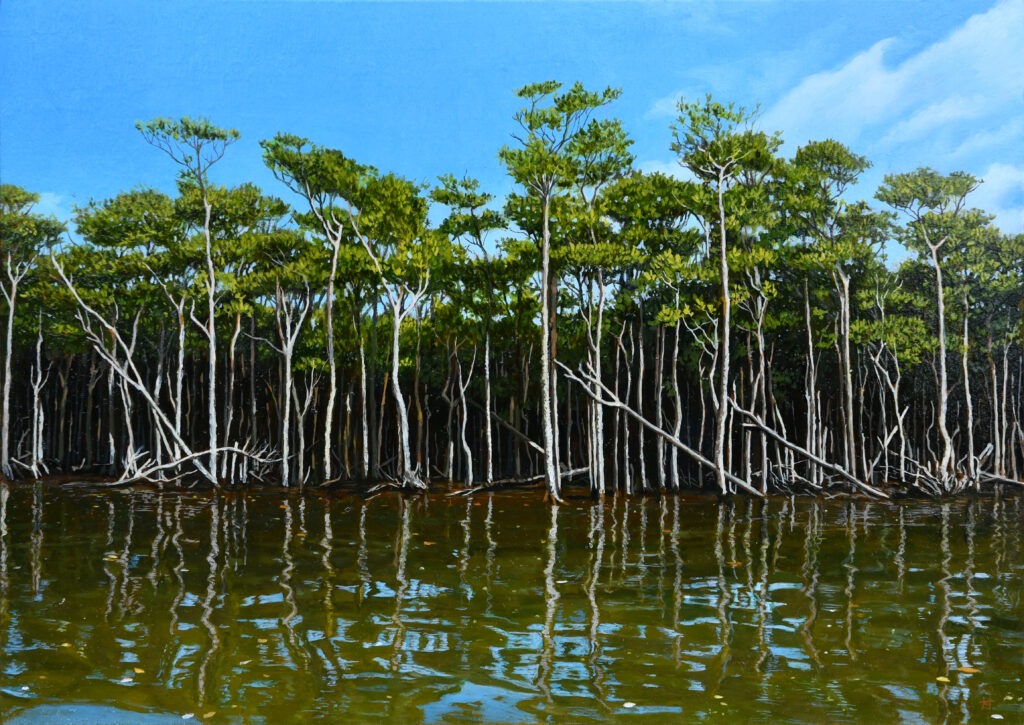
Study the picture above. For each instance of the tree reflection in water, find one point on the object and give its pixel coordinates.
(502, 607)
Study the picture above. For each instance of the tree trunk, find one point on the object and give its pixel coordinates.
(678, 425)
(659, 415)
(972, 474)
(850, 442)
(409, 476)
(229, 395)
(724, 331)
(551, 477)
(810, 390)
(38, 415)
(946, 463)
(488, 436)
(5, 409)
(332, 383)
(211, 334)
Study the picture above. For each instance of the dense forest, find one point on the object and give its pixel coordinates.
(735, 327)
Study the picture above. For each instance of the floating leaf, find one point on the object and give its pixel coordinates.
(969, 670)
(942, 678)
(629, 704)
(138, 670)
(429, 543)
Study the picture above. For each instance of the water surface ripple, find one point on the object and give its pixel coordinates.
(136, 606)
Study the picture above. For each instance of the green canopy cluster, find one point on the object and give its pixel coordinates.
(736, 325)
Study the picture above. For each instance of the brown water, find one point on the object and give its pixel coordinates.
(137, 607)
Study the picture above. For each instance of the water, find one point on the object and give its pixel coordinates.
(133, 606)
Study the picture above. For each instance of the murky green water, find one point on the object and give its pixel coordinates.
(262, 608)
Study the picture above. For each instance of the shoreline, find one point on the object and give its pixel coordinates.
(454, 490)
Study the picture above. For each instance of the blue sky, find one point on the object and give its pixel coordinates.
(428, 88)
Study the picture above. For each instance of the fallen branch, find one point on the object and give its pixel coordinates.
(843, 473)
(613, 401)
(145, 473)
(514, 482)
(511, 429)
(127, 372)
(1000, 479)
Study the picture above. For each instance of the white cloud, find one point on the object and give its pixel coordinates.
(978, 64)
(1002, 194)
(935, 116)
(1002, 134)
(841, 101)
(956, 104)
(664, 107)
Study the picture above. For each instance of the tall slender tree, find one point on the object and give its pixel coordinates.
(716, 144)
(551, 125)
(195, 145)
(933, 205)
(24, 235)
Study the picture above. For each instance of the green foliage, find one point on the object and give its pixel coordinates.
(23, 233)
(194, 144)
(715, 141)
(557, 131)
(627, 251)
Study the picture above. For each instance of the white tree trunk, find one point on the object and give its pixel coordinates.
(11, 294)
(38, 415)
(844, 327)
(229, 397)
(722, 414)
(466, 450)
(678, 426)
(488, 437)
(211, 334)
(288, 328)
(972, 474)
(364, 408)
(332, 383)
(546, 393)
(409, 477)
